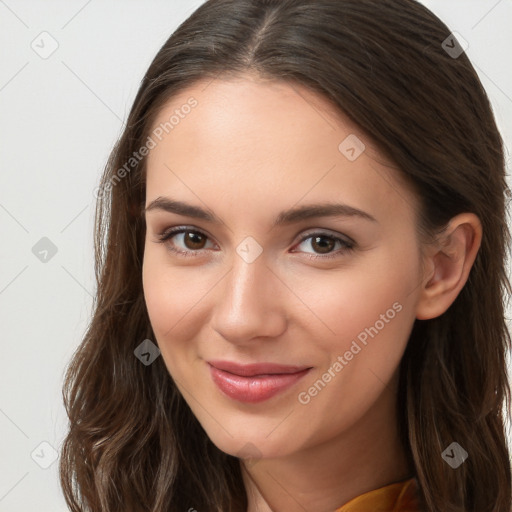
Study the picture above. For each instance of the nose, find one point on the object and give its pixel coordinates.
(251, 303)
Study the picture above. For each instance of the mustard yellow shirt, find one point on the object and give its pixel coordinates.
(397, 497)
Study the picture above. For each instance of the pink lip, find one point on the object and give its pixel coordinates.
(254, 382)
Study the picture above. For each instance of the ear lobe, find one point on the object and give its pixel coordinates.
(450, 262)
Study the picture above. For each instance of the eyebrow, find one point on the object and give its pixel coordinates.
(285, 217)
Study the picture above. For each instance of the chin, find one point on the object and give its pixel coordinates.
(253, 443)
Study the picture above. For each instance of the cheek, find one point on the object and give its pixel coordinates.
(372, 315)
(177, 304)
(159, 301)
(348, 302)
(170, 293)
(164, 311)
(367, 315)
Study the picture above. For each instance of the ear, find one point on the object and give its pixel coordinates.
(447, 265)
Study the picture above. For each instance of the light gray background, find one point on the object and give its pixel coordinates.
(60, 117)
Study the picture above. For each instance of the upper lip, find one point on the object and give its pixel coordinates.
(249, 370)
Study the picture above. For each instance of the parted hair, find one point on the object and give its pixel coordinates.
(133, 443)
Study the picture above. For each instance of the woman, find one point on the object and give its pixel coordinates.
(300, 251)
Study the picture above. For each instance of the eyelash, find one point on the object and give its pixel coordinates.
(348, 246)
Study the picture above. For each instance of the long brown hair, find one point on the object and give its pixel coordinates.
(133, 443)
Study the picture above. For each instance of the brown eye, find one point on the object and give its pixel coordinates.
(185, 242)
(194, 240)
(322, 244)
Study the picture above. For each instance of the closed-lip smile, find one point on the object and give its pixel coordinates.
(254, 382)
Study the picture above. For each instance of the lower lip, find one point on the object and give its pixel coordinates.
(256, 388)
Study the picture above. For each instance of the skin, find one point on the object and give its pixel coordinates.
(247, 151)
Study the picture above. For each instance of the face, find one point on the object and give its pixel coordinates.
(284, 294)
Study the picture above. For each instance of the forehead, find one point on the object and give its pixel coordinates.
(248, 106)
(268, 141)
